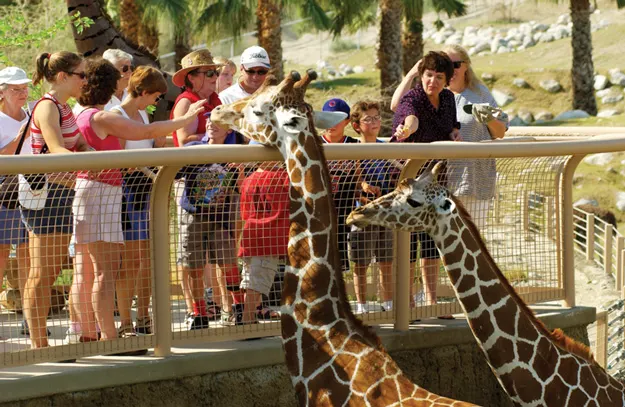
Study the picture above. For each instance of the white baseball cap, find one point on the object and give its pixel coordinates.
(255, 56)
(13, 76)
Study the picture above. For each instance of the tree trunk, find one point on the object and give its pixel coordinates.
(412, 44)
(129, 19)
(582, 69)
(270, 33)
(389, 47)
(148, 36)
(181, 44)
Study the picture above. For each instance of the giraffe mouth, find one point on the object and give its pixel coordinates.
(357, 218)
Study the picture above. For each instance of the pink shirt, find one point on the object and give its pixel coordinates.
(110, 143)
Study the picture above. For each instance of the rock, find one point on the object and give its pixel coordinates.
(572, 114)
(551, 85)
(322, 64)
(586, 201)
(520, 83)
(620, 205)
(504, 50)
(603, 92)
(480, 47)
(611, 99)
(544, 116)
(359, 69)
(517, 121)
(601, 82)
(600, 159)
(347, 70)
(564, 19)
(455, 39)
(488, 77)
(608, 113)
(617, 77)
(546, 37)
(526, 116)
(496, 43)
(528, 41)
(536, 28)
(502, 98)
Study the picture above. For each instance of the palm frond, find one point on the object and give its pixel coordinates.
(351, 14)
(313, 10)
(176, 10)
(230, 17)
(451, 7)
(620, 3)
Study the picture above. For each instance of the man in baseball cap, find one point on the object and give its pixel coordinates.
(254, 68)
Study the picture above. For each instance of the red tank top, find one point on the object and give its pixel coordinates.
(213, 102)
(110, 143)
(69, 129)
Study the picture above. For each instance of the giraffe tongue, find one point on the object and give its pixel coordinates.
(327, 120)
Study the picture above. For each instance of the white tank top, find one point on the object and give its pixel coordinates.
(136, 144)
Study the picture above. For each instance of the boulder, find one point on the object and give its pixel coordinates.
(572, 114)
(528, 41)
(359, 69)
(347, 70)
(526, 116)
(543, 116)
(611, 99)
(502, 98)
(586, 202)
(516, 121)
(487, 77)
(481, 46)
(564, 19)
(600, 82)
(617, 77)
(546, 37)
(520, 83)
(538, 28)
(551, 85)
(608, 113)
(603, 92)
(600, 159)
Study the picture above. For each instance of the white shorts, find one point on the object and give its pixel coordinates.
(258, 273)
(97, 211)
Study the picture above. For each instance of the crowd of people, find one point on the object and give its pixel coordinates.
(225, 213)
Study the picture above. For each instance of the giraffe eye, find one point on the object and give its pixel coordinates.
(413, 203)
(257, 112)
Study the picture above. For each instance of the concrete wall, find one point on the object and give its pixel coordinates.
(456, 369)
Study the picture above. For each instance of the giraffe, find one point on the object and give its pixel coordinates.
(333, 358)
(103, 35)
(536, 367)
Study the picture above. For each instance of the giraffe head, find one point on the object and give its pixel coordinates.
(415, 205)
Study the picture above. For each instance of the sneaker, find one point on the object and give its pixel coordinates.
(126, 330)
(73, 334)
(234, 317)
(25, 331)
(143, 326)
(194, 322)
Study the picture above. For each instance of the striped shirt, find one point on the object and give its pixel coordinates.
(69, 129)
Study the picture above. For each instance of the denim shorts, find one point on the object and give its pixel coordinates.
(12, 230)
(55, 217)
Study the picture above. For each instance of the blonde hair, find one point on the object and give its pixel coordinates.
(471, 80)
(224, 62)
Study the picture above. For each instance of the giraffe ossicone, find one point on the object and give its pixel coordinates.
(332, 357)
(536, 367)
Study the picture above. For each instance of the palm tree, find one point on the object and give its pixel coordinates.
(582, 69)
(390, 47)
(412, 38)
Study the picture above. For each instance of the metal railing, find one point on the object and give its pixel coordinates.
(528, 228)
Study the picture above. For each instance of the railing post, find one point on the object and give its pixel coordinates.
(567, 231)
(402, 282)
(607, 249)
(590, 236)
(525, 213)
(601, 340)
(160, 253)
(550, 217)
(620, 241)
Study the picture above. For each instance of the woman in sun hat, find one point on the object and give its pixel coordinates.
(13, 97)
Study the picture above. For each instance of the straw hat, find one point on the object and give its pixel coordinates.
(197, 59)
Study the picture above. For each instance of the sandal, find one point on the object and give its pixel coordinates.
(266, 313)
(143, 326)
(126, 330)
(213, 311)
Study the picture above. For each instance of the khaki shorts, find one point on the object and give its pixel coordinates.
(97, 210)
(258, 273)
(371, 241)
(201, 238)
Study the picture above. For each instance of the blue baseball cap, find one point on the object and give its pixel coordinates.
(336, 105)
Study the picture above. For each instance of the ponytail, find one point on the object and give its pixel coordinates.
(47, 66)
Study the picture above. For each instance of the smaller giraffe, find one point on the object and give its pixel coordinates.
(535, 367)
(333, 358)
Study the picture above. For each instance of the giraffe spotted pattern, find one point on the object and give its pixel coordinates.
(535, 367)
(333, 359)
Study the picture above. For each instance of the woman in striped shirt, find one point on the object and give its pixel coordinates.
(49, 222)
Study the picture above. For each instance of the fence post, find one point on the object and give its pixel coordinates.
(567, 229)
(607, 249)
(601, 340)
(525, 213)
(160, 251)
(590, 236)
(620, 241)
(550, 217)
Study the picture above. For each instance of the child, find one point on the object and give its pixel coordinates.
(375, 179)
(264, 239)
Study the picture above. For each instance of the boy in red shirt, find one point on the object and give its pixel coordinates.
(264, 239)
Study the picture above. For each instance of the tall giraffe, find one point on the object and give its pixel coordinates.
(103, 35)
(535, 367)
(333, 358)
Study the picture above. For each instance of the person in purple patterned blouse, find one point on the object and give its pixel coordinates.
(425, 114)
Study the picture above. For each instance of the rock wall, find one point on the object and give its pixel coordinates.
(458, 371)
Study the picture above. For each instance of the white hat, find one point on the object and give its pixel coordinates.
(13, 76)
(255, 56)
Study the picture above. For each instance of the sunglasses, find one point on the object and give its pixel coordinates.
(457, 64)
(259, 72)
(159, 98)
(371, 119)
(210, 73)
(81, 75)
(127, 68)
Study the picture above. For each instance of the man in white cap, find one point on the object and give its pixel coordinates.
(254, 68)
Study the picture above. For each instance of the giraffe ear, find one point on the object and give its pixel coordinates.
(327, 120)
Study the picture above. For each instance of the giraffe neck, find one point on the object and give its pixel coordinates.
(517, 345)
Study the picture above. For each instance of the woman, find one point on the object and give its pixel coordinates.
(473, 181)
(53, 130)
(226, 73)
(97, 205)
(13, 96)
(425, 114)
(198, 78)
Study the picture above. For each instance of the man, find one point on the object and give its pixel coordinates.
(254, 68)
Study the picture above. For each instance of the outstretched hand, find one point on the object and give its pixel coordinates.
(196, 108)
(484, 113)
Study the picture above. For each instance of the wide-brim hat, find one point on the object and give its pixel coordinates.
(197, 59)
